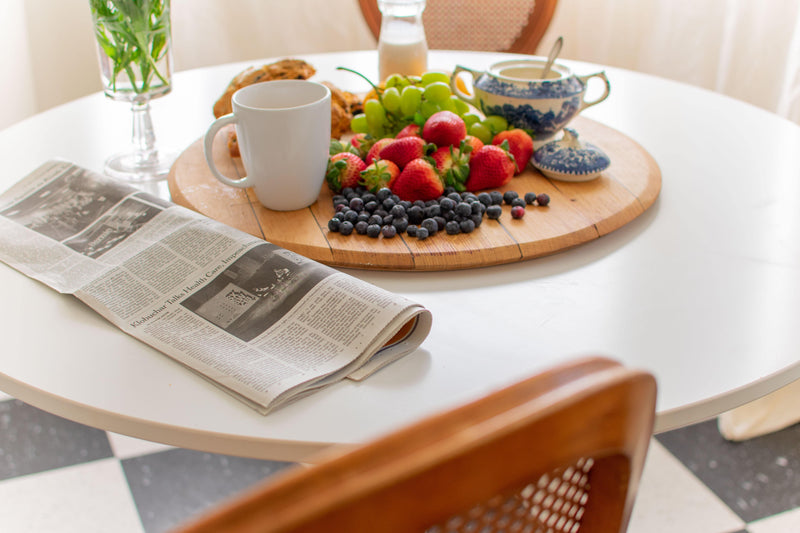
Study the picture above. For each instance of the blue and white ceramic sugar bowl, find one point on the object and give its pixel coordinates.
(570, 159)
(515, 90)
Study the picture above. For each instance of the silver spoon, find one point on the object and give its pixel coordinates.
(552, 57)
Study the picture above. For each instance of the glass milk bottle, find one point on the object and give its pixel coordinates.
(402, 48)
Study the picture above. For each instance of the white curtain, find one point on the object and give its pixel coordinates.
(210, 32)
(747, 49)
(46, 55)
(16, 88)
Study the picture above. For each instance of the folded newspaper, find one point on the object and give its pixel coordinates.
(263, 323)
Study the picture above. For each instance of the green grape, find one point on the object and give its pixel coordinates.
(462, 108)
(359, 123)
(469, 119)
(428, 108)
(375, 114)
(391, 99)
(495, 124)
(481, 132)
(410, 99)
(414, 80)
(447, 105)
(437, 92)
(395, 80)
(433, 75)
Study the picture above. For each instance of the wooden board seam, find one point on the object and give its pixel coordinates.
(510, 236)
(322, 230)
(555, 185)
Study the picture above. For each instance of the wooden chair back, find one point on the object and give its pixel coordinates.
(561, 451)
(497, 26)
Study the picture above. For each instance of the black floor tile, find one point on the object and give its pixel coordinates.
(172, 486)
(32, 440)
(755, 478)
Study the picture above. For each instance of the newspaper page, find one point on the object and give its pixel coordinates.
(263, 323)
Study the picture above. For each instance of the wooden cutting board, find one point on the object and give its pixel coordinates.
(578, 212)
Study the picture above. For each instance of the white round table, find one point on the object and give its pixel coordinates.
(703, 289)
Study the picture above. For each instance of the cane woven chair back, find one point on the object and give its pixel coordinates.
(496, 26)
(562, 452)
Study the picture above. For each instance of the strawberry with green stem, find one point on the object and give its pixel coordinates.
(344, 170)
(475, 143)
(490, 167)
(375, 149)
(337, 147)
(520, 144)
(381, 173)
(453, 165)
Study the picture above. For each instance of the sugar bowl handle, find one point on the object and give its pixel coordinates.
(585, 81)
(469, 98)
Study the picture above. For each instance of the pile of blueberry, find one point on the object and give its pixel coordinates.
(383, 213)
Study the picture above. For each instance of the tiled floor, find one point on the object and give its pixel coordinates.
(59, 476)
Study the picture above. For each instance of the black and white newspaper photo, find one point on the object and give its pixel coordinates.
(261, 322)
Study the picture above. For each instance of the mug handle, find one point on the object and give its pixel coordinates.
(470, 99)
(585, 81)
(208, 143)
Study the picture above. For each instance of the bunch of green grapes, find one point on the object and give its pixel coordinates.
(405, 100)
(485, 129)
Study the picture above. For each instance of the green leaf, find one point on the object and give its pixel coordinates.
(134, 34)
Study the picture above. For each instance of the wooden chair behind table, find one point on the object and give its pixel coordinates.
(562, 451)
(496, 26)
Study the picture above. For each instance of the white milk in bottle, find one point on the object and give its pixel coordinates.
(402, 48)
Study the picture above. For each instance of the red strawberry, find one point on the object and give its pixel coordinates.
(474, 142)
(412, 130)
(489, 168)
(453, 165)
(357, 140)
(336, 146)
(520, 145)
(376, 148)
(444, 128)
(360, 144)
(401, 151)
(381, 173)
(344, 170)
(418, 181)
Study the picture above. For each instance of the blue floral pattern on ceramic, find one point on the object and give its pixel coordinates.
(545, 124)
(570, 159)
(560, 88)
(514, 90)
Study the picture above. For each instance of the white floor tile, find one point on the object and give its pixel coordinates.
(672, 499)
(125, 447)
(788, 522)
(87, 498)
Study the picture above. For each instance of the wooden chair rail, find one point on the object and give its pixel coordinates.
(526, 42)
(559, 451)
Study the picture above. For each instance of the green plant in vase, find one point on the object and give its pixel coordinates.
(133, 48)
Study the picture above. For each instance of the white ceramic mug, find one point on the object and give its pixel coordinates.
(283, 129)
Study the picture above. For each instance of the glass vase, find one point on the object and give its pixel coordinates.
(134, 54)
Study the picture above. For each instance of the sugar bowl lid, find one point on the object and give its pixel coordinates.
(570, 159)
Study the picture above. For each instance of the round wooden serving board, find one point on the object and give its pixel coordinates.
(578, 212)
